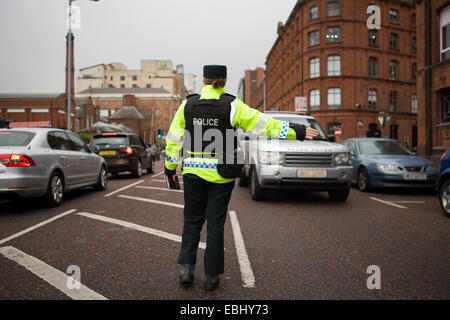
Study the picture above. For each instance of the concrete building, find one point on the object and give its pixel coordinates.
(348, 73)
(433, 77)
(153, 74)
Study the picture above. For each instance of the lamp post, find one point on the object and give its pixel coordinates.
(69, 74)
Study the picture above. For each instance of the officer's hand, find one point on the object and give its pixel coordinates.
(310, 132)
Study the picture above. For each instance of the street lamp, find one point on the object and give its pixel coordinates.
(69, 81)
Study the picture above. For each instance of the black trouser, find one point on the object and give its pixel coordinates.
(204, 200)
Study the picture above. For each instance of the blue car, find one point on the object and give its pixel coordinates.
(444, 183)
(380, 163)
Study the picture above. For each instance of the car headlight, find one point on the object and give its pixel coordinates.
(270, 158)
(431, 168)
(342, 159)
(387, 167)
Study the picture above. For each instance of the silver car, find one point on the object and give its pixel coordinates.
(47, 162)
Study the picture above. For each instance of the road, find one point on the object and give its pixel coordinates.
(123, 243)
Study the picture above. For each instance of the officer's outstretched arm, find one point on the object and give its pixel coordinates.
(174, 141)
(249, 119)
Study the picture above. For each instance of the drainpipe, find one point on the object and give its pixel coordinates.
(429, 143)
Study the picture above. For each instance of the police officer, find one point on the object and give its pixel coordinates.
(207, 183)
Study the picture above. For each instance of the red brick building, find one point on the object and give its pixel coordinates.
(349, 74)
(249, 84)
(433, 78)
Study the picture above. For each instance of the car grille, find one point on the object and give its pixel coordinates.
(308, 160)
(414, 169)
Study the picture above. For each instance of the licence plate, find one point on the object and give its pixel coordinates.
(312, 173)
(107, 153)
(415, 177)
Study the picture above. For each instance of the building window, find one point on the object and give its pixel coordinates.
(413, 20)
(393, 97)
(373, 66)
(333, 9)
(314, 98)
(314, 38)
(393, 70)
(414, 45)
(313, 13)
(394, 131)
(134, 78)
(445, 34)
(149, 85)
(106, 102)
(393, 41)
(110, 86)
(314, 68)
(444, 98)
(372, 99)
(334, 98)
(122, 86)
(135, 86)
(414, 103)
(333, 34)
(373, 38)
(334, 65)
(122, 78)
(111, 78)
(414, 72)
(393, 16)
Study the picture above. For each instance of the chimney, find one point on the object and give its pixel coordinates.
(129, 100)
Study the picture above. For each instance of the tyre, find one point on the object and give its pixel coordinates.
(339, 195)
(137, 169)
(257, 192)
(444, 198)
(102, 182)
(363, 180)
(55, 190)
(243, 180)
(151, 169)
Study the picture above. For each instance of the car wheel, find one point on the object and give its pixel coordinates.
(257, 192)
(243, 180)
(339, 195)
(363, 180)
(102, 182)
(151, 169)
(444, 197)
(137, 170)
(55, 190)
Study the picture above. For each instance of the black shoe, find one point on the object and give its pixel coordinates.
(211, 283)
(187, 275)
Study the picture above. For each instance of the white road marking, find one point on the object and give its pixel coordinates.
(410, 202)
(21, 233)
(246, 269)
(137, 227)
(170, 204)
(124, 188)
(389, 203)
(49, 274)
(158, 174)
(163, 189)
(164, 181)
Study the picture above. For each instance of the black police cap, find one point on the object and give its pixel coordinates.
(215, 72)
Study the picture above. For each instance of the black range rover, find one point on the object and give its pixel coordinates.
(124, 152)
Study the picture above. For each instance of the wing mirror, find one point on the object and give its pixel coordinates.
(93, 148)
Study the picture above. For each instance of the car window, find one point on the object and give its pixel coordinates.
(58, 140)
(15, 138)
(110, 140)
(303, 121)
(383, 147)
(78, 143)
(352, 146)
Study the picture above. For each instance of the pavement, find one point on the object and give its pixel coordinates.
(123, 243)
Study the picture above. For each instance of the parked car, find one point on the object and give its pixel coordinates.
(380, 163)
(124, 152)
(39, 161)
(444, 183)
(318, 165)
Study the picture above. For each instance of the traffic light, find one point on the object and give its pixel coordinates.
(159, 133)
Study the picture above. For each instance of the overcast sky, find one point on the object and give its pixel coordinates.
(238, 33)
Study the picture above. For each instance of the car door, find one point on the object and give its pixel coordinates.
(61, 145)
(88, 165)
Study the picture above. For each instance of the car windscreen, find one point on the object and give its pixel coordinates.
(383, 147)
(304, 121)
(15, 138)
(110, 140)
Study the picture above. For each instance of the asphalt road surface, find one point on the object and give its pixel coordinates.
(123, 243)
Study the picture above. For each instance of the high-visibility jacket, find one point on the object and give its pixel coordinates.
(242, 116)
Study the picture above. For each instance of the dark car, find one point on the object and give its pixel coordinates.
(444, 183)
(124, 152)
(155, 152)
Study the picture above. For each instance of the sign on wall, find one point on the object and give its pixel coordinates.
(301, 104)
